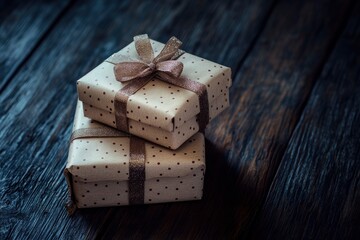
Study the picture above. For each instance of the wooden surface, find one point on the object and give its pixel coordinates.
(282, 161)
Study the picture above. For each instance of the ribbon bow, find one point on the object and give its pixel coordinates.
(138, 72)
(147, 65)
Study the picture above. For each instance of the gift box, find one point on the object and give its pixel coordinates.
(107, 167)
(166, 108)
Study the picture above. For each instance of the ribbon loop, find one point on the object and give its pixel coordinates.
(144, 48)
(171, 67)
(169, 51)
(126, 71)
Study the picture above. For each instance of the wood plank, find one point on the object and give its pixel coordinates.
(24, 24)
(267, 98)
(37, 106)
(316, 194)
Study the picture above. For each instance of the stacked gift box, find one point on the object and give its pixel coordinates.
(138, 129)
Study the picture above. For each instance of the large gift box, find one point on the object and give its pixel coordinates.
(107, 167)
(165, 99)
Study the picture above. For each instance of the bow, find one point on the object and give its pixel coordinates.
(147, 65)
(138, 72)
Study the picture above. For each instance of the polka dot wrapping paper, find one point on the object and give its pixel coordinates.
(159, 112)
(98, 169)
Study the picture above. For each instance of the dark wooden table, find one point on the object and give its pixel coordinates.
(282, 161)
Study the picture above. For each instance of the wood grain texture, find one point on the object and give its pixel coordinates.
(316, 193)
(36, 117)
(267, 100)
(23, 24)
(37, 109)
(277, 51)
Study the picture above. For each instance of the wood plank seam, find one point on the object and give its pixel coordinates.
(311, 77)
(236, 70)
(313, 172)
(317, 76)
(16, 70)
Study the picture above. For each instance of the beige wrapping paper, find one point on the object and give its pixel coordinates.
(158, 104)
(98, 169)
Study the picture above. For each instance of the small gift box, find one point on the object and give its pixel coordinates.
(107, 167)
(165, 99)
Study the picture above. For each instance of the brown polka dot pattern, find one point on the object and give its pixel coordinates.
(99, 167)
(170, 139)
(161, 105)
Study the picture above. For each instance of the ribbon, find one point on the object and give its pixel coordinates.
(136, 163)
(136, 171)
(147, 65)
(138, 72)
(96, 132)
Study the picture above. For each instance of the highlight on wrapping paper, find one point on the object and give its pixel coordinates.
(164, 99)
(136, 161)
(107, 167)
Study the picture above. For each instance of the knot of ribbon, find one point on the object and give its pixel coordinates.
(163, 65)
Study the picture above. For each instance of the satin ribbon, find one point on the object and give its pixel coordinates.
(96, 132)
(147, 65)
(136, 163)
(138, 72)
